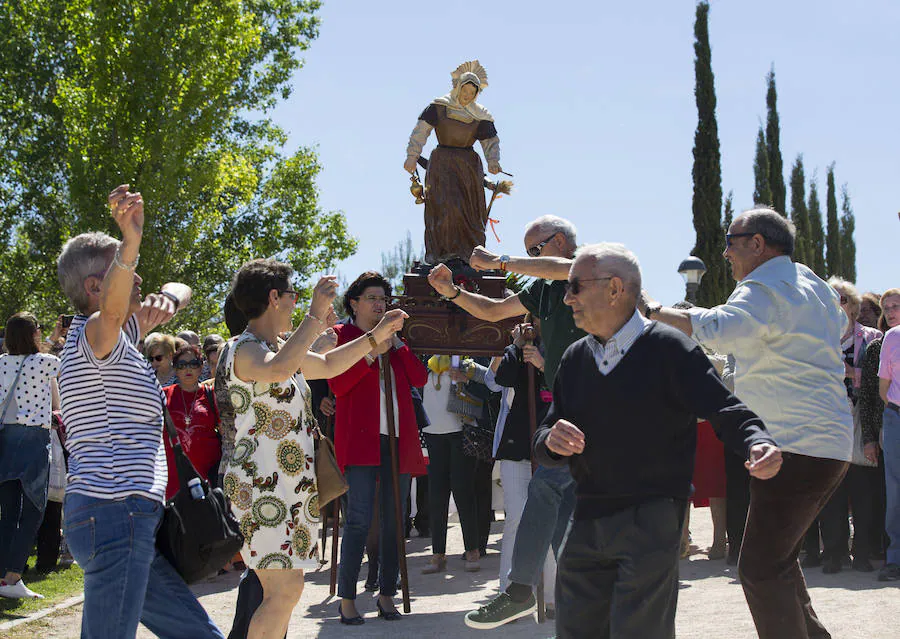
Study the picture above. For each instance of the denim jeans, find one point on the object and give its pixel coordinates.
(360, 498)
(19, 523)
(890, 436)
(125, 579)
(548, 509)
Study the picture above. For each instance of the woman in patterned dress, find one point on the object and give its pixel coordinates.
(271, 476)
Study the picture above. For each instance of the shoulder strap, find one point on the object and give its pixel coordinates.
(211, 400)
(12, 387)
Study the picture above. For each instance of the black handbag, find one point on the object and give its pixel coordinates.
(197, 536)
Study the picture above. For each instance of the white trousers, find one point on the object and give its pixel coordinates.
(514, 477)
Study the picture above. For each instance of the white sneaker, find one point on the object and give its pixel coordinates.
(18, 590)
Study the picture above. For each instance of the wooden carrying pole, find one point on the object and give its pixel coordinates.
(335, 517)
(532, 424)
(395, 475)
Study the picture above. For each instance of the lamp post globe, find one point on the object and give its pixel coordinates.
(692, 270)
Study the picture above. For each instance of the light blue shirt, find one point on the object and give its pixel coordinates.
(783, 325)
(609, 354)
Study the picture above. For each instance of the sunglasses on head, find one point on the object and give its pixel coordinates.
(535, 250)
(574, 285)
(194, 363)
(157, 358)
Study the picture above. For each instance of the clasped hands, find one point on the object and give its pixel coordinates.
(566, 439)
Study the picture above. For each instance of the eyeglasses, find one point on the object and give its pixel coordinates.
(844, 299)
(157, 358)
(574, 287)
(731, 236)
(194, 363)
(288, 291)
(371, 299)
(535, 250)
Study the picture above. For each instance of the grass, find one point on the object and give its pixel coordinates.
(56, 586)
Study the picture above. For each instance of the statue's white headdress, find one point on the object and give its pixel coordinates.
(466, 70)
(476, 74)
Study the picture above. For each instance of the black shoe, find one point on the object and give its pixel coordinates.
(393, 615)
(861, 564)
(350, 621)
(371, 586)
(832, 566)
(811, 561)
(889, 572)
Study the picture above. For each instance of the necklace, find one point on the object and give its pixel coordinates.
(188, 415)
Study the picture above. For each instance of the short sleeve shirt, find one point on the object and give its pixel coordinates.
(889, 367)
(29, 403)
(544, 299)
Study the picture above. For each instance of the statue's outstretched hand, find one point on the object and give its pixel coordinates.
(441, 280)
(494, 168)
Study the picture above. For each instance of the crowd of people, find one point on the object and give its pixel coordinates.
(779, 410)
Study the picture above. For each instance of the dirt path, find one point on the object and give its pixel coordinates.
(711, 604)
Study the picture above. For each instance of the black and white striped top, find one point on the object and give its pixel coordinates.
(112, 409)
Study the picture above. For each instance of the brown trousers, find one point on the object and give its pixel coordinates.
(781, 510)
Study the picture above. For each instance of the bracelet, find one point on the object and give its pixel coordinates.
(372, 341)
(122, 265)
(458, 293)
(311, 316)
(369, 359)
(174, 299)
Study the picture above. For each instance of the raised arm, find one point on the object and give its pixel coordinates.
(547, 268)
(486, 308)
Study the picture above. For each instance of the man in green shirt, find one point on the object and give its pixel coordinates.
(550, 245)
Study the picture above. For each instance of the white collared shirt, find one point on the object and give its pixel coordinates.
(610, 354)
(783, 325)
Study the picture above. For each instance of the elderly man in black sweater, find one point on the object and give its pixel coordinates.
(624, 417)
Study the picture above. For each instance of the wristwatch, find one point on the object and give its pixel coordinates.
(652, 309)
(504, 260)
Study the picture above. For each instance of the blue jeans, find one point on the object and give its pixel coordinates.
(548, 509)
(19, 523)
(890, 436)
(125, 579)
(360, 497)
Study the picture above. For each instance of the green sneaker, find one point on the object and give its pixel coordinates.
(499, 611)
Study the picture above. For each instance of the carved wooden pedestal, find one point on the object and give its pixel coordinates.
(439, 327)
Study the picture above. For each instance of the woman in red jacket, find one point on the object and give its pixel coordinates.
(361, 442)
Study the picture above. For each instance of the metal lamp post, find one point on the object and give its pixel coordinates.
(692, 270)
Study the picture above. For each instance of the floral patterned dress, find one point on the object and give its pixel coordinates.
(271, 478)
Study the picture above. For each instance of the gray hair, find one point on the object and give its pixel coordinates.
(548, 224)
(616, 260)
(190, 337)
(83, 255)
(848, 290)
(778, 231)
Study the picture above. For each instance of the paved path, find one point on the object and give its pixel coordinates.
(711, 604)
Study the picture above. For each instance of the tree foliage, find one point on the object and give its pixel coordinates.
(816, 233)
(707, 170)
(728, 213)
(773, 146)
(833, 230)
(762, 190)
(800, 214)
(848, 243)
(396, 263)
(157, 95)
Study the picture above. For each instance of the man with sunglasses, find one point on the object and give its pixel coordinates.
(550, 243)
(783, 325)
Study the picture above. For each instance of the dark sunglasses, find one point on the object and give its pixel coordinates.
(194, 363)
(535, 250)
(731, 236)
(157, 358)
(844, 299)
(288, 291)
(574, 287)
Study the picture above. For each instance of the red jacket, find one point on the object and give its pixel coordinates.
(357, 422)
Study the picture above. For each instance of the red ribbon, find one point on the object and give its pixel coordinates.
(494, 222)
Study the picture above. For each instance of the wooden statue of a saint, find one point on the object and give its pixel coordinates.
(455, 211)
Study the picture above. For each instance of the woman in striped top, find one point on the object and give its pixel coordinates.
(112, 407)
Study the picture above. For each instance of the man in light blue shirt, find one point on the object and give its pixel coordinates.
(783, 325)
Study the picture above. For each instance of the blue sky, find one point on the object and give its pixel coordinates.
(594, 105)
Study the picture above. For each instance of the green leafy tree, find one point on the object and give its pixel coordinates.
(816, 232)
(762, 190)
(773, 148)
(728, 214)
(800, 214)
(833, 229)
(158, 95)
(848, 243)
(707, 170)
(396, 263)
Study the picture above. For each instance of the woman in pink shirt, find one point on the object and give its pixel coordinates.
(889, 389)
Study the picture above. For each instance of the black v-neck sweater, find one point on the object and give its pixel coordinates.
(640, 420)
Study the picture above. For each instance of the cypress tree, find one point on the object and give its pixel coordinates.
(728, 216)
(707, 170)
(848, 244)
(773, 141)
(800, 214)
(833, 230)
(762, 190)
(816, 233)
